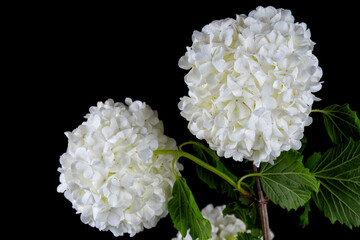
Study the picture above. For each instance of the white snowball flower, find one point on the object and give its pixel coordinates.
(250, 84)
(109, 172)
(223, 227)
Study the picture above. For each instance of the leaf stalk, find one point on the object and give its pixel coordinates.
(181, 153)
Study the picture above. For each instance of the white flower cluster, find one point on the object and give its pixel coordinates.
(250, 84)
(109, 172)
(223, 227)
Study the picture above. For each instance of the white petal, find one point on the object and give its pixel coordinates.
(241, 65)
(220, 121)
(184, 63)
(61, 188)
(295, 144)
(204, 54)
(81, 154)
(205, 68)
(145, 155)
(270, 103)
(220, 65)
(108, 132)
(113, 219)
(132, 219)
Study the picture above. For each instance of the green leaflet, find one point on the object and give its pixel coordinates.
(341, 123)
(288, 183)
(185, 213)
(338, 170)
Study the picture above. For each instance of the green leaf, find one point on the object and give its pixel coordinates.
(303, 144)
(288, 183)
(312, 161)
(212, 180)
(185, 213)
(204, 151)
(341, 123)
(339, 173)
(248, 214)
(206, 176)
(247, 236)
(239, 211)
(304, 217)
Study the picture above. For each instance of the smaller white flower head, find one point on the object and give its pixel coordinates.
(223, 227)
(250, 84)
(109, 172)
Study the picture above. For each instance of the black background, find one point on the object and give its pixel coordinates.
(67, 57)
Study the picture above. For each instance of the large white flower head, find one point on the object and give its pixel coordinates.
(109, 172)
(222, 227)
(250, 84)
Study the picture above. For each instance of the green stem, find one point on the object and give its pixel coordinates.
(187, 143)
(240, 181)
(209, 167)
(169, 152)
(180, 153)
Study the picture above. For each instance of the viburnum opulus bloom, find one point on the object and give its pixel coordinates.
(222, 227)
(251, 84)
(109, 172)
